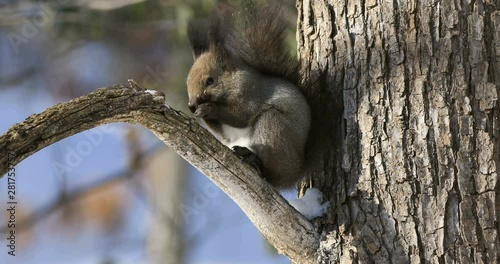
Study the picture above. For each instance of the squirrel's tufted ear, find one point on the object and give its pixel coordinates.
(210, 35)
(219, 33)
(198, 37)
(206, 35)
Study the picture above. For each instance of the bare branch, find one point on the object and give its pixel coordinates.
(285, 228)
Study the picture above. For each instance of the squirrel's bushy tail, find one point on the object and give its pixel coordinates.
(258, 37)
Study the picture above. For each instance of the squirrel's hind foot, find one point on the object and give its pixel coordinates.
(249, 157)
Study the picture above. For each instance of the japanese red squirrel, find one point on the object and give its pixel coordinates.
(244, 85)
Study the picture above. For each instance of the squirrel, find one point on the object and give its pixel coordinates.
(244, 85)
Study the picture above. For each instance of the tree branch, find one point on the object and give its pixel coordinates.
(284, 228)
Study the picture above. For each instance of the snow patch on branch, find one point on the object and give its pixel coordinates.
(310, 205)
(157, 95)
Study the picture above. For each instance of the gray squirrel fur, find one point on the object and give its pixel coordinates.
(244, 85)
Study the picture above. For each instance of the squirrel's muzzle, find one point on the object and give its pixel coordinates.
(194, 102)
(192, 106)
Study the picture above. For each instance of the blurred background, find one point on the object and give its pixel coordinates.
(114, 194)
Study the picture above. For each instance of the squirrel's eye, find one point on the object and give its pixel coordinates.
(209, 81)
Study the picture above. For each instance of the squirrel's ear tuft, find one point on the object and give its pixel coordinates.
(210, 35)
(206, 35)
(198, 37)
(218, 34)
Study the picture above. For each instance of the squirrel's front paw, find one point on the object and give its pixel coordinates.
(249, 157)
(205, 111)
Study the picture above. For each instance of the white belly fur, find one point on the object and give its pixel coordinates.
(237, 136)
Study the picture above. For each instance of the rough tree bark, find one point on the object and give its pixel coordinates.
(415, 175)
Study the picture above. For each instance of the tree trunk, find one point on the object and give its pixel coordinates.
(413, 173)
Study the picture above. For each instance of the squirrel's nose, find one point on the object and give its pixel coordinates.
(192, 107)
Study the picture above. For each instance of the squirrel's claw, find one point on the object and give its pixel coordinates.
(205, 111)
